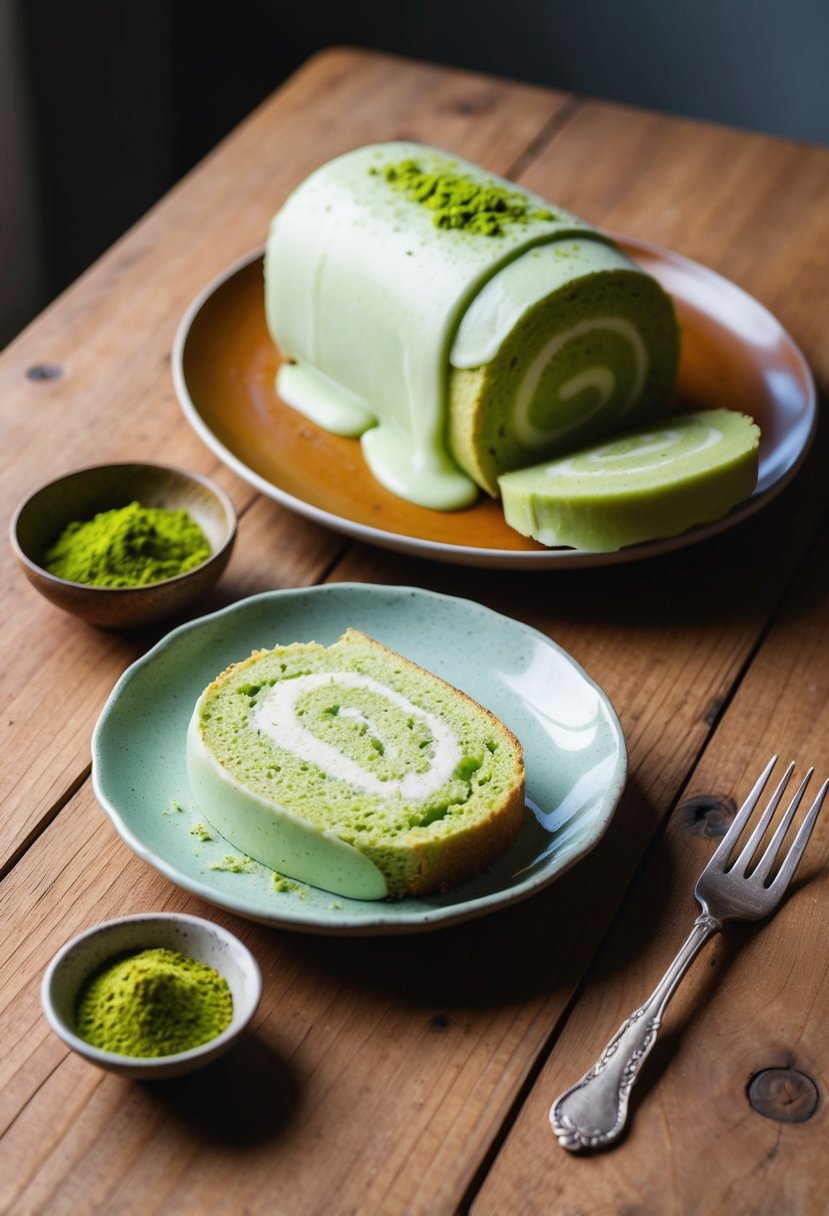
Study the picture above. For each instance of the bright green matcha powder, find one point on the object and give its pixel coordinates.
(128, 547)
(459, 201)
(153, 1002)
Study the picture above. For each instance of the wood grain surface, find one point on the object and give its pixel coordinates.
(414, 1074)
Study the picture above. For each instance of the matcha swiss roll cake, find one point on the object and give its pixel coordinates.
(653, 482)
(460, 325)
(353, 769)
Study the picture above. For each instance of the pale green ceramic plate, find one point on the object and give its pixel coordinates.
(573, 744)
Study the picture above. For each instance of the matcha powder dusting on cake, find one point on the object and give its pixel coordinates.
(461, 201)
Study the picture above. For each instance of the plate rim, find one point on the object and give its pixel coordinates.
(373, 923)
(486, 558)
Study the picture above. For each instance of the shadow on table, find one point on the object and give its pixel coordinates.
(526, 951)
(246, 1097)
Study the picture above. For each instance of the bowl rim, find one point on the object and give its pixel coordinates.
(239, 1021)
(127, 592)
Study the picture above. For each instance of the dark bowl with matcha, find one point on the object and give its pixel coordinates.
(125, 545)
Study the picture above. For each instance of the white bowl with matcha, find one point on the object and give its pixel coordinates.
(151, 996)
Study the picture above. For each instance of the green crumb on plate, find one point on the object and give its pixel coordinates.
(284, 885)
(200, 832)
(235, 865)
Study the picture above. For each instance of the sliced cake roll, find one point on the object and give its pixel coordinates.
(353, 769)
(567, 343)
(650, 483)
(460, 325)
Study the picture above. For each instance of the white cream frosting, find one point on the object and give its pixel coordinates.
(360, 284)
(517, 287)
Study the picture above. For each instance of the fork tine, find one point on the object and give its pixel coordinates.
(799, 843)
(723, 849)
(741, 862)
(764, 865)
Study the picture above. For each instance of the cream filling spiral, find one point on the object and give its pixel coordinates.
(277, 717)
(651, 450)
(600, 378)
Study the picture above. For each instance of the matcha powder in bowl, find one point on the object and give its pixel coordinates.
(129, 546)
(151, 996)
(154, 1002)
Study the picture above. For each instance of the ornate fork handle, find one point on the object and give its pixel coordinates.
(592, 1113)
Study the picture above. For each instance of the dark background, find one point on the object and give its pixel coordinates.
(104, 104)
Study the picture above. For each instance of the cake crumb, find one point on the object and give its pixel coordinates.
(235, 865)
(284, 885)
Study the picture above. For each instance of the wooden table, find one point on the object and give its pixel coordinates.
(414, 1074)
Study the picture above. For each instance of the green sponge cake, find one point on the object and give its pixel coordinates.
(460, 325)
(565, 344)
(353, 769)
(650, 483)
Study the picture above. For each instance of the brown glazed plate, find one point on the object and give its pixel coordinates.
(735, 354)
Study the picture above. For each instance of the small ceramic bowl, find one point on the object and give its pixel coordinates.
(198, 939)
(41, 518)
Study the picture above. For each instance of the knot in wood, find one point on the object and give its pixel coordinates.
(44, 371)
(707, 814)
(784, 1094)
(475, 103)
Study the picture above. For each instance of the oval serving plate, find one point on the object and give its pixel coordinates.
(735, 354)
(574, 749)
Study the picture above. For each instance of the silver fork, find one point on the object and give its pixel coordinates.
(592, 1113)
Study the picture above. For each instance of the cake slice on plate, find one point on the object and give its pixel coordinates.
(353, 769)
